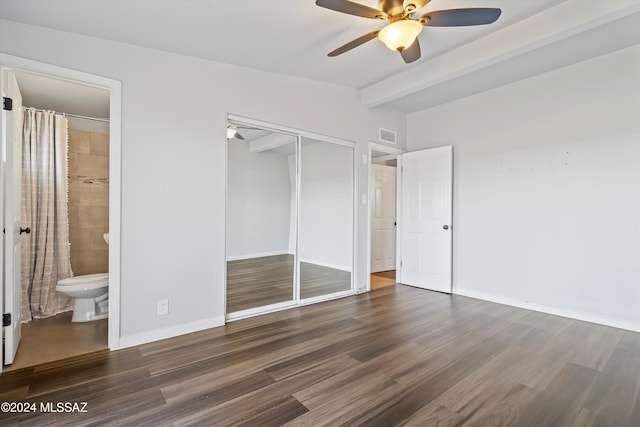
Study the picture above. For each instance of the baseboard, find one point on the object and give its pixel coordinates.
(549, 310)
(256, 255)
(170, 332)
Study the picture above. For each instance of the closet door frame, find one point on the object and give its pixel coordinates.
(298, 134)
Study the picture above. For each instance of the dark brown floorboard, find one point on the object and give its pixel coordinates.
(257, 282)
(394, 356)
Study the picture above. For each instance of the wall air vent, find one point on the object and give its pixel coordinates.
(386, 135)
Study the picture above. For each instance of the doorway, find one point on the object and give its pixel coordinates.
(383, 187)
(31, 74)
(290, 218)
(423, 226)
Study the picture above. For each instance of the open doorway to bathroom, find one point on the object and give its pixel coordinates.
(48, 335)
(382, 215)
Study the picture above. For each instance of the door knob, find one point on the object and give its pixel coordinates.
(445, 227)
(25, 230)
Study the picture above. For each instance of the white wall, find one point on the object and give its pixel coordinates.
(86, 125)
(546, 189)
(326, 204)
(173, 164)
(258, 202)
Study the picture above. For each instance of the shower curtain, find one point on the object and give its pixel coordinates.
(45, 252)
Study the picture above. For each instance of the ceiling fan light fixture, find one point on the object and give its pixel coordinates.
(400, 35)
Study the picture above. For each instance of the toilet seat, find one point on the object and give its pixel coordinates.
(91, 296)
(88, 281)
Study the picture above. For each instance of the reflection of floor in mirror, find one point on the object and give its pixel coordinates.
(261, 281)
(316, 280)
(268, 280)
(56, 338)
(382, 279)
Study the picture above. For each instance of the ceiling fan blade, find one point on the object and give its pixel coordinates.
(346, 6)
(354, 43)
(460, 17)
(412, 53)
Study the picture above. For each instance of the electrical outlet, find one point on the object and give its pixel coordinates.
(163, 307)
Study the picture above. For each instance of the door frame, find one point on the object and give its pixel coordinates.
(297, 301)
(374, 146)
(19, 64)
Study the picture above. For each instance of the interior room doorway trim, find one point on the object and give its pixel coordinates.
(22, 65)
(392, 151)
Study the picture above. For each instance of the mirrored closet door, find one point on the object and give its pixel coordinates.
(261, 215)
(290, 218)
(326, 218)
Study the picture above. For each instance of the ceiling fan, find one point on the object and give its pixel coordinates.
(401, 32)
(233, 131)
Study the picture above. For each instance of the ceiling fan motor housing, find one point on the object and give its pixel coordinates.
(393, 8)
(411, 6)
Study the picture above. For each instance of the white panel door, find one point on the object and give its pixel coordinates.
(13, 212)
(426, 213)
(383, 218)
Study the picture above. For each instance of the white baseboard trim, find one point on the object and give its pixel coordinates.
(266, 309)
(256, 255)
(324, 264)
(323, 298)
(549, 310)
(170, 332)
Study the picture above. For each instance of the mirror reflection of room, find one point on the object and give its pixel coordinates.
(289, 219)
(261, 210)
(326, 218)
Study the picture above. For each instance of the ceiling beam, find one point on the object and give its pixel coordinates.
(446, 76)
(269, 142)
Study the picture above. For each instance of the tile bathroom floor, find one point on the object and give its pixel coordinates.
(55, 338)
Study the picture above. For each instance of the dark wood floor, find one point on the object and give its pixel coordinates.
(317, 280)
(395, 356)
(268, 280)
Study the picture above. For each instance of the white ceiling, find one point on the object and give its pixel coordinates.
(292, 37)
(61, 96)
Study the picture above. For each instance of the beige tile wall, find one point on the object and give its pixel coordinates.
(88, 201)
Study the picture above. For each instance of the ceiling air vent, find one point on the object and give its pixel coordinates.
(386, 135)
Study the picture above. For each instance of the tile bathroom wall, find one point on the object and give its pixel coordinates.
(88, 201)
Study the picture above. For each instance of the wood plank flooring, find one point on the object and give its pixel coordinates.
(383, 278)
(259, 281)
(394, 356)
(268, 280)
(317, 280)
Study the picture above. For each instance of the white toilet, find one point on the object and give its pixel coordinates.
(91, 293)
